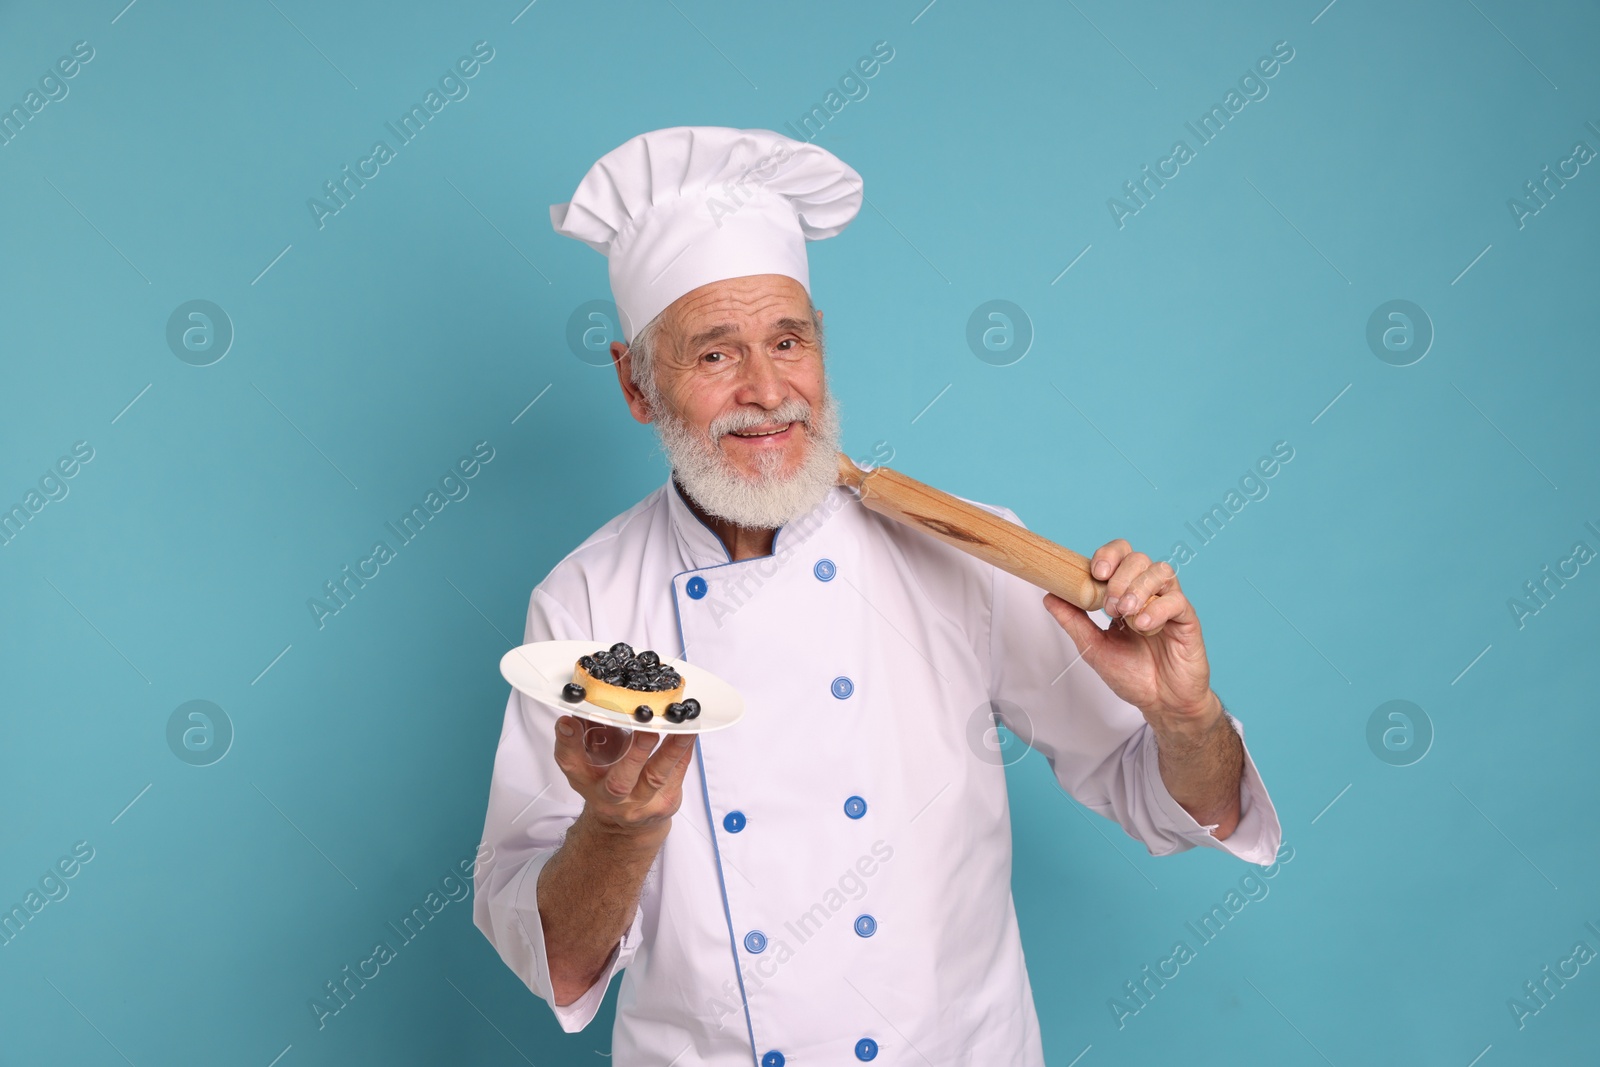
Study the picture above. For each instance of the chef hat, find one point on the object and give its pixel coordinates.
(677, 208)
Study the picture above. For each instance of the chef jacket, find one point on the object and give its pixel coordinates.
(836, 883)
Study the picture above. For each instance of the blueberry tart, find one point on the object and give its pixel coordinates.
(621, 680)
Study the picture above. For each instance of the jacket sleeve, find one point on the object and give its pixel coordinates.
(530, 807)
(1099, 746)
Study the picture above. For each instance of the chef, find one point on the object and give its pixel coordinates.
(829, 879)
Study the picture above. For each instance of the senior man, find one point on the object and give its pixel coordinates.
(830, 878)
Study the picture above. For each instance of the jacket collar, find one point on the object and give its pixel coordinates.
(700, 543)
(703, 548)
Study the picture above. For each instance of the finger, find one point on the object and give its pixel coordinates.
(604, 744)
(1128, 568)
(665, 768)
(623, 775)
(1159, 611)
(1105, 559)
(1086, 636)
(569, 746)
(1158, 579)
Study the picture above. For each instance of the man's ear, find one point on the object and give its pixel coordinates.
(638, 406)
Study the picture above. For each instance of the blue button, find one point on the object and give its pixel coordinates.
(866, 1049)
(772, 1059)
(824, 570)
(855, 807)
(696, 587)
(842, 687)
(733, 822)
(866, 925)
(755, 941)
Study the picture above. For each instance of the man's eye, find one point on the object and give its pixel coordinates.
(787, 341)
(712, 356)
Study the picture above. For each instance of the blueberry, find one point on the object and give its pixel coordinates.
(587, 663)
(674, 712)
(691, 707)
(649, 658)
(622, 650)
(572, 692)
(644, 713)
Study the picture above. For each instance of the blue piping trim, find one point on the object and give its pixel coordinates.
(705, 792)
(726, 914)
(722, 882)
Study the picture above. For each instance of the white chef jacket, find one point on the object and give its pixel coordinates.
(836, 884)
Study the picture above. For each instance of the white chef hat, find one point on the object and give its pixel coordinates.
(677, 208)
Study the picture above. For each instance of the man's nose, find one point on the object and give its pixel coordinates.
(761, 382)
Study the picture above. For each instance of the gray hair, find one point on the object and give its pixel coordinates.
(643, 367)
(645, 345)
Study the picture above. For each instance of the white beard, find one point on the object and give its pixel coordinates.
(767, 500)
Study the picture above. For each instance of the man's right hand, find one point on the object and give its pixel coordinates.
(631, 786)
(630, 783)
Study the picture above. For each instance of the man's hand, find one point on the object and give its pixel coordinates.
(589, 889)
(626, 787)
(1153, 657)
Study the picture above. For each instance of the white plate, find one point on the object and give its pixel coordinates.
(541, 669)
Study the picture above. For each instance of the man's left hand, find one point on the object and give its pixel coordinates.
(1152, 655)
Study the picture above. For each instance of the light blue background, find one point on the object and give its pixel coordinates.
(1227, 315)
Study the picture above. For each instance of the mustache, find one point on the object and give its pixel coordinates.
(792, 410)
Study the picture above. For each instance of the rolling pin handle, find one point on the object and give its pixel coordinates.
(851, 476)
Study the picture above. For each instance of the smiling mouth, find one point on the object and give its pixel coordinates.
(757, 435)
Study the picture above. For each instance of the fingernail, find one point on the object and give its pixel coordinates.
(1142, 621)
(564, 728)
(1101, 569)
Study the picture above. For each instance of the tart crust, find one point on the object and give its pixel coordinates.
(621, 699)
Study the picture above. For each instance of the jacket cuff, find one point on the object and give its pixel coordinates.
(1254, 840)
(577, 1015)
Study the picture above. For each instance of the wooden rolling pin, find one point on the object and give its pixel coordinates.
(1006, 545)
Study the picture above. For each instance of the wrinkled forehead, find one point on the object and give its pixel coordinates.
(740, 307)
